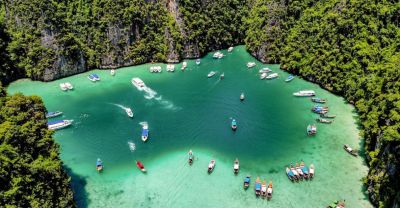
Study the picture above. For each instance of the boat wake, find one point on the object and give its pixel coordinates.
(132, 146)
(151, 94)
(143, 123)
(121, 106)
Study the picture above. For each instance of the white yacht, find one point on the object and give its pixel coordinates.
(69, 86)
(212, 73)
(170, 68)
(63, 87)
(230, 49)
(112, 72)
(55, 125)
(218, 55)
(265, 70)
(155, 69)
(251, 64)
(138, 83)
(129, 112)
(184, 65)
(304, 93)
(272, 76)
(263, 75)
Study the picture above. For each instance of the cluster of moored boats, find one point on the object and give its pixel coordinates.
(59, 124)
(300, 171)
(66, 86)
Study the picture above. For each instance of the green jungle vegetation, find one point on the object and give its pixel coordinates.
(349, 47)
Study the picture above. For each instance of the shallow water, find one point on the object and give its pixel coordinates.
(187, 110)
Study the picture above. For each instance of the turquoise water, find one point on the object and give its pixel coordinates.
(186, 110)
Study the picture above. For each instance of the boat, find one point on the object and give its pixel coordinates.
(320, 109)
(257, 186)
(212, 73)
(99, 165)
(155, 69)
(350, 150)
(304, 93)
(236, 166)
(211, 166)
(69, 86)
(327, 116)
(264, 189)
(191, 157)
(251, 64)
(184, 65)
(289, 78)
(222, 76)
(312, 170)
(295, 173)
(145, 132)
(140, 166)
(53, 114)
(246, 182)
(298, 169)
(264, 70)
(129, 112)
(63, 87)
(230, 49)
(290, 174)
(112, 72)
(138, 83)
(233, 125)
(60, 124)
(321, 120)
(93, 77)
(311, 129)
(218, 55)
(170, 68)
(304, 169)
(269, 190)
(263, 75)
(318, 100)
(242, 96)
(272, 76)
(197, 61)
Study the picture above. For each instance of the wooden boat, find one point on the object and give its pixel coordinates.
(269, 191)
(222, 76)
(257, 187)
(191, 157)
(304, 168)
(320, 109)
(312, 171)
(242, 96)
(311, 129)
(140, 166)
(318, 100)
(233, 125)
(324, 115)
(211, 166)
(298, 169)
(321, 120)
(236, 166)
(264, 189)
(295, 173)
(350, 150)
(99, 165)
(246, 182)
(290, 174)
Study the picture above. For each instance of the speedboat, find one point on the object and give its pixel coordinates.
(212, 73)
(191, 157)
(246, 182)
(236, 166)
(233, 125)
(140, 166)
(197, 61)
(211, 166)
(184, 65)
(230, 49)
(311, 129)
(304, 93)
(272, 76)
(112, 72)
(138, 83)
(269, 190)
(69, 86)
(129, 112)
(318, 100)
(327, 116)
(53, 114)
(242, 96)
(321, 120)
(257, 186)
(312, 170)
(263, 75)
(264, 189)
(350, 150)
(290, 174)
(265, 70)
(170, 68)
(145, 133)
(218, 55)
(63, 87)
(99, 165)
(251, 64)
(93, 77)
(222, 76)
(289, 78)
(304, 169)
(55, 125)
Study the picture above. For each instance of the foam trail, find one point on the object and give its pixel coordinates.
(120, 106)
(151, 94)
(143, 123)
(132, 146)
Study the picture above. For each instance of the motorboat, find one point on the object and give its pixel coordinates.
(320, 109)
(257, 186)
(222, 76)
(191, 157)
(63, 87)
(246, 182)
(272, 76)
(318, 100)
(99, 165)
(53, 114)
(233, 125)
(218, 55)
(93, 77)
(230, 49)
(263, 75)
(312, 170)
(112, 72)
(69, 86)
(184, 65)
(170, 68)
(290, 174)
(212, 73)
(305, 170)
(294, 171)
(264, 189)
(304, 93)
(60, 124)
(269, 190)
(138, 83)
(140, 166)
(265, 70)
(145, 132)
(211, 166)
(242, 96)
(350, 150)
(129, 112)
(321, 120)
(327, 116)
(197, 61)
(311, 129)
(289, 78)
(236, 166)
(155, 69)
(251, 64)
(298, 169)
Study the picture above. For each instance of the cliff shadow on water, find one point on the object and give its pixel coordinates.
(78, 183)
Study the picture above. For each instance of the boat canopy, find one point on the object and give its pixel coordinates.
(258, 186)
(98, 163)
(247, 180)
(305, 170)
(145, 132)
(234, 122)
(95, 75)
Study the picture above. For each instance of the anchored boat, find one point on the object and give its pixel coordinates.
(93, 77)
(191, 157)
(324, 115)
(264, 70)
(233, 125)
(99, 165)
(289, 78)
(264, 189)
(211, 166)
(230, 49)
(319, 100)
(197, 61)
(55, 125)
(257, 187)
(295, 173)
(212, 73)
(236, 166)
(251, 64)
(290, 174)
(140, 166)
(69, 86)
(246, 182)
(269, 190)
(304, 169)
(304, 93)
(242, 96)
(53, 114)
(63, 87)
(311, 129)
(298, 169)
(184, 65)
(218, 55)
(222, 76)
(129, 112)
(312, 171)
(145, 132)
(272, 76)
(170, 68)
(350, 150)
(321, 120)
(263, 75)
(112, 72)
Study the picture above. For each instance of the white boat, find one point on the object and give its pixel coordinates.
(236, 166)
(184, 65)
(304, 93)
(263, 75)
(112, 72)
(272, 76)
(197, 61)
(230, 49)
(170, 68)
(55, 125)
(69, 86)
(265, 70)
(218, 55)
(155, 69)
(129, 112)
(138, 83)
(145, 132)
(63, 87)
(93, 77)
(53, 114)
(212, 73)
(211, 166)
(251, 64)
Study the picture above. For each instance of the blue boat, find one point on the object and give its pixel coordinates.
(318, 100)
(99, 165)
(289, 78)
(234, 125)
(53, 114)
(311, 129)
(93, 77)
(257, 186)
(290, 174)
(55, 125)
(246, 182)
(145, 133)
(96, 77)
